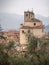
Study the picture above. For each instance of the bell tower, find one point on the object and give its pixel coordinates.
(28, 16)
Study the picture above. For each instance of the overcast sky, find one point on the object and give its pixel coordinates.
(19, 6)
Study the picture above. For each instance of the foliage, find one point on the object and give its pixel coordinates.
(32, 57)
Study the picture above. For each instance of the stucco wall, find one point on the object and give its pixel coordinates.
(32, 23)
(23, 37)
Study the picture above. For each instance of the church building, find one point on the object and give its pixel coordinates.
(30, 23)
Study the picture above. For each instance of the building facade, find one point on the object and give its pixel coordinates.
(30, 23)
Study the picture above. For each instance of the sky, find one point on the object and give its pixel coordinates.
(19, 6)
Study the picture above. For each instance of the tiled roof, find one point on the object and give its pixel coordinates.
(34, 20)
(33, 27)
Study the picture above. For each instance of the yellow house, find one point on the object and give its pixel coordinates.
(30, 23)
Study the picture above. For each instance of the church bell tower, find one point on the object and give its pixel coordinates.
(28, 16)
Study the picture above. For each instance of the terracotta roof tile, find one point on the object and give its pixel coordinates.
(33, 27)
(35, 20)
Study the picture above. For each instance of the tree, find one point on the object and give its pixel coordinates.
(32, 41)
(10, 48)
(40, 56)
(3, 56)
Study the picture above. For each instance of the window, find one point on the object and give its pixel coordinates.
(26, 14)
(22, 31)
(34, 23)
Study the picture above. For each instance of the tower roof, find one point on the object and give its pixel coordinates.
(35, 20)
(29, 12)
